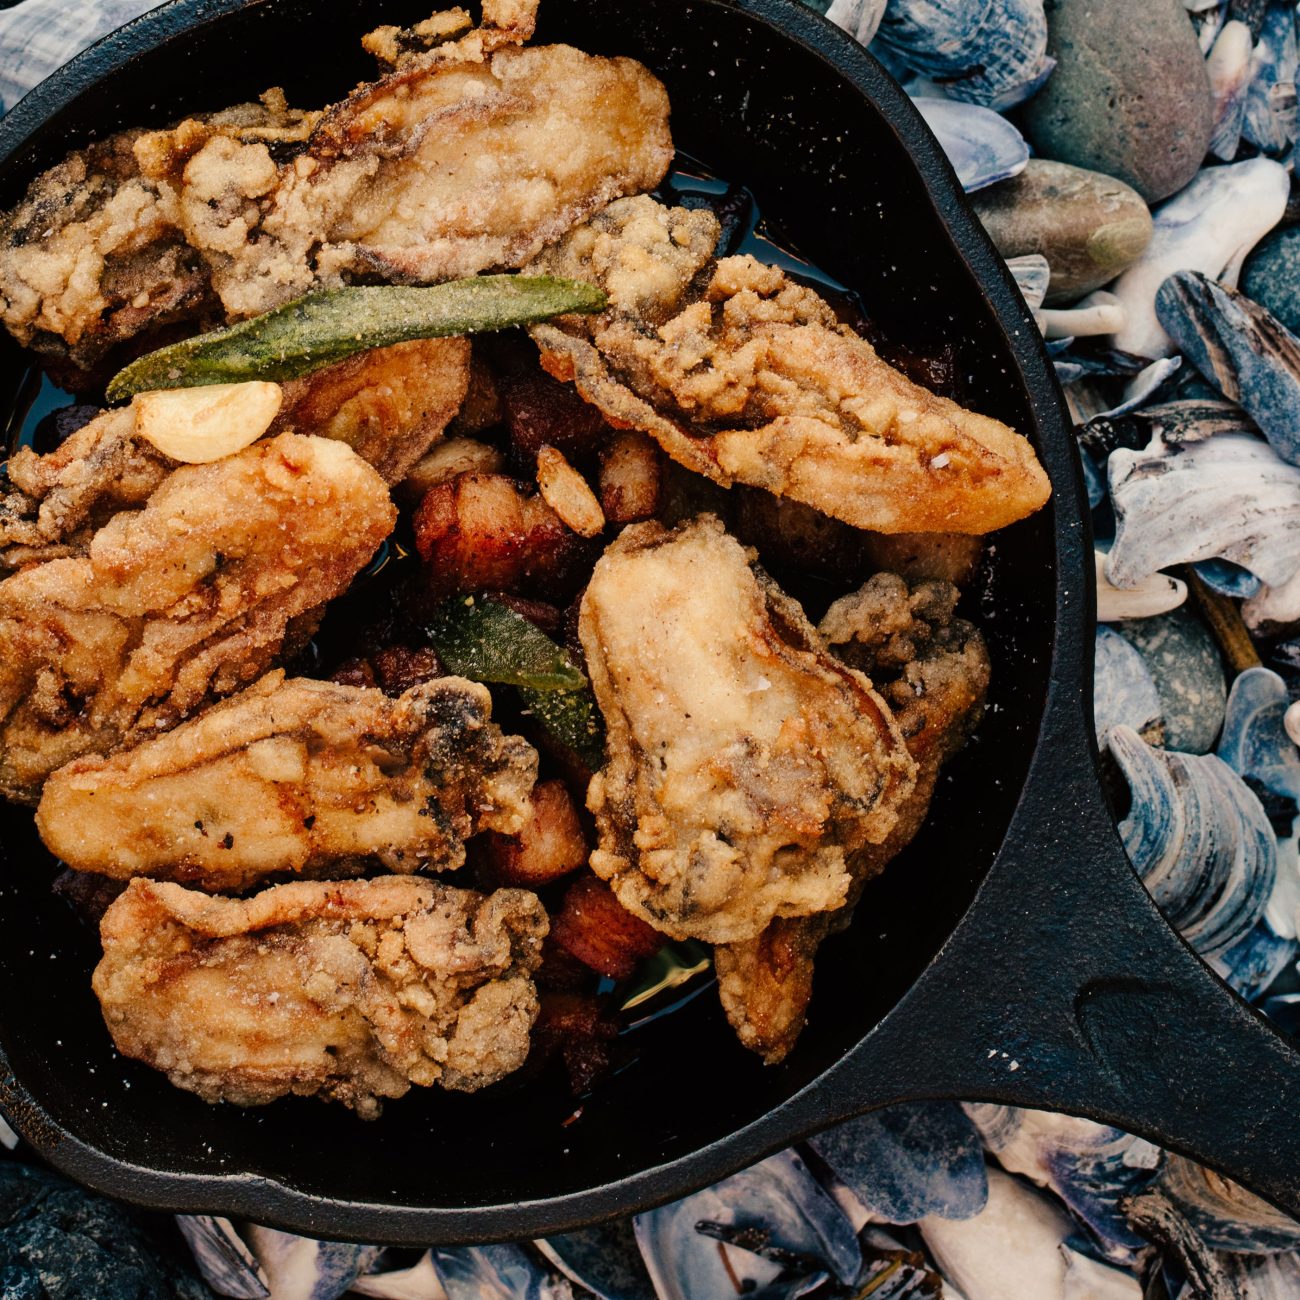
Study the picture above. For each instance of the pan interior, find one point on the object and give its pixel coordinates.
(838, 185)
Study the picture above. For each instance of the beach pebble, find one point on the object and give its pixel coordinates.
(58, 1242)
(1130, 96)
(1088, 226)
(1271, 275)
(1184, 664)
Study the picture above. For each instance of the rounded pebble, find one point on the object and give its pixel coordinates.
(1130, 96)
(1090, 227)
(1184, 663)
(1271, 275)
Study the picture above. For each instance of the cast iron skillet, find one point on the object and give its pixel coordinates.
(1010, 955)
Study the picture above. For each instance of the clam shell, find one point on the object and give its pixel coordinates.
(227, 1264)
(1124, 692)
(910, 1160)
(1090, 1166)
(300, 1268)
(1241, 348)
(860, 18)
(1155, 594)
(1015, 1249)
(1229, 68)
(418, 1282)
(993, 53)
(779, 1196)
(982, 147)
(1208, 226)
(504, 1272)
(1270, 119)
(1228, 495)
(1199, 839)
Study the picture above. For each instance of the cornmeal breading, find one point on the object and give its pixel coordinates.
(191, 598)
(933, 669)
(468, 155)
(745, 376)
(745, 763)
(296, 776)
(349, 990)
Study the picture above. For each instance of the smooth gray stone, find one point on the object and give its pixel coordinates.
(1185, 665)
(1130, 96)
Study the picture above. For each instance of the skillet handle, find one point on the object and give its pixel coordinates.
(1064, 989)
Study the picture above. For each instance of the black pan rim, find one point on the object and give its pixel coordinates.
(284, 1206)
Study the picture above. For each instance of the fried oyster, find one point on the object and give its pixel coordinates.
(191, 598)
(745, 762)
(470, 153)
(745, 376)
(350, 990)
(296, 776)
(933, 670)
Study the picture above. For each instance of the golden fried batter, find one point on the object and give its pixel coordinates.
(933, 669)
(745, 376)
(745, 763)
(390, 405)
(351, 990)
(296, 776)
(191, 598)
(469, 155)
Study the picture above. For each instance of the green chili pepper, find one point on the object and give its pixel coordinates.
(325, 327)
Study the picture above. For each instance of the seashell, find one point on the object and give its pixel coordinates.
(1090, 1166)
(1124, 692)
(1273, 607)
(604, 1259)
(227, 1264)
(1229, 67)
(909, 1160)
(1270, 119)
(1268, 1277)
(1098, 313)
(1228, 579)
(1229, 496)
(1199, 839)
(860, 18)
(1015, 1250)
(1208, 226)
(779, 1196)
(1157, 593)
(504, 1272)
(1291, 721)
(300, 1268)
(1223, 1214)
(993, 54)
(1241, 348)
(982, 147)
(419, 1282)
(1032, 274)
(8, 1138)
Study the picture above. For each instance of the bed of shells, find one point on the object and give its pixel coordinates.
(1134, 164)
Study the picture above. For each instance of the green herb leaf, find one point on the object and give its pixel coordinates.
(486, 641)
(572, 718)
(325, 327)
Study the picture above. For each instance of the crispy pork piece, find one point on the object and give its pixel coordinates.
(743, 375)
(390, 405)
(347, 990)
(933, 669)
(57, 502)
(745, 762)
(296, 776)
(470, 153)
(191, 598)
(548, 843)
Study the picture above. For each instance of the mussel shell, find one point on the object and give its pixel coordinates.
(301, 1268)
(981, 146)
(604, 1259)
(223, 1257)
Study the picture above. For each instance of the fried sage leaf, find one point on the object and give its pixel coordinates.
(322, 328)
(486, 641)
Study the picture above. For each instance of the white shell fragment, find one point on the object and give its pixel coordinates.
(1229, 495)
(1292, 722)
(1099, 313)
(982, 146)
(198, 425)
(1209, 226)
(1157, 593)
(1032, 273)
(860, 18)
(1273, 606)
